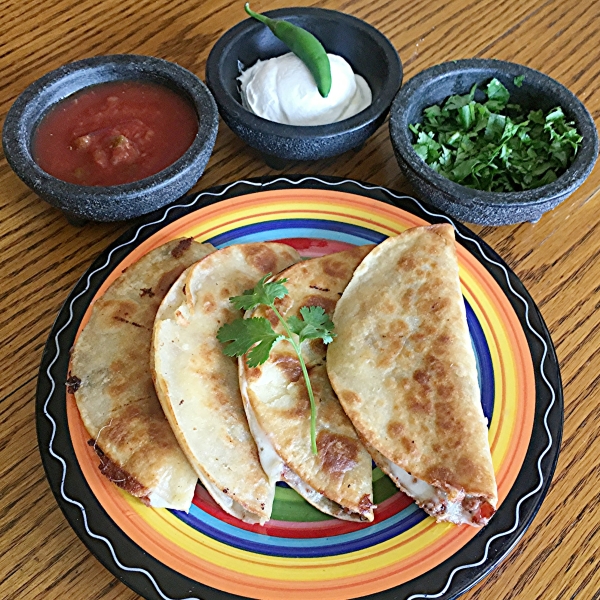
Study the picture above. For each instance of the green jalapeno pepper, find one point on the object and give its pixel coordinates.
(304, 45)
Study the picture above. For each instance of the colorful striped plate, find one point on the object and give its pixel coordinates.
(302, 553)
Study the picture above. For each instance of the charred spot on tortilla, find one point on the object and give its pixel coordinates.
(349, 397)
(290, 367)
(119, 476)
(335, 268)
(406, 263)
(123, 320)
(262, 258)
(182, 247)
(327, 304)
(281, 304)
(338, 453)
(271, 316)
(72, 383)
(168, 279)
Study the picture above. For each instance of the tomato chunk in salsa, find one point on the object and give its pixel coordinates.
(114, 133)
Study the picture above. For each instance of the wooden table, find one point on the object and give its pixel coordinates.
(558, 258)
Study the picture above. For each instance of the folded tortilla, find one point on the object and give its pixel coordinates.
(198, 385)
(404, 369)
(338, 481)
(112, 383)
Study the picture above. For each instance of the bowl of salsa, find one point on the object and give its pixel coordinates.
(111, 138)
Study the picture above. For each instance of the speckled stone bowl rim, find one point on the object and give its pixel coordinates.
(236, 111)
(570, 180)
(18, 150)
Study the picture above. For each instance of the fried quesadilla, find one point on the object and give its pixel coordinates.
(338, 479)
(112, 383)
(404, 369)
(198, 385)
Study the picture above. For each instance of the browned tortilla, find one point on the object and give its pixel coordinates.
(404, 368)
(276, 394)
(112, 381)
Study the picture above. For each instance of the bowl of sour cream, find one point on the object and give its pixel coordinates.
(268, 97)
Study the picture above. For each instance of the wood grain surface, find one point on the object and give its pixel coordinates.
(558, 258)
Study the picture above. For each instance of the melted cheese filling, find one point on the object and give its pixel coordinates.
(434, 501)
(276, 470)
(269, 459)
(228, 504)
(175, 497)
(318, 500)
(157, 501)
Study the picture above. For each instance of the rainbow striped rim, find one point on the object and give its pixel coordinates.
(298, 554)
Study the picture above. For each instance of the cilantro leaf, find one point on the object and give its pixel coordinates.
(495, 127)
(537, 116)
(457, 102)
(555, 115)
(263, 293)
(422, 150)
(255, 335)
(315, 324)
(518, 80)
(466, 115)
(464, 169)
(496, 91)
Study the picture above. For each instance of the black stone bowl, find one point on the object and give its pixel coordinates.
(116, 202)
(368, 52)
(434, 85)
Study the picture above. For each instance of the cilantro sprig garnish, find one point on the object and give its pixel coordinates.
(494, 145)
(256, 337)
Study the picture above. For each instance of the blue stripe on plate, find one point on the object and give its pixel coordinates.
(485, 370)
(302, 547)
(308, 228)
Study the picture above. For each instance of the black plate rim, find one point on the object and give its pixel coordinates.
(149, 577)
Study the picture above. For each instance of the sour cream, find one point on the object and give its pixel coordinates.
(283, 90)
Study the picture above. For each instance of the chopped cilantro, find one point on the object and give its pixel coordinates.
(494, 145)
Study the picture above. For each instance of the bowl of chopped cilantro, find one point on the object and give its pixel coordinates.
(492, 142)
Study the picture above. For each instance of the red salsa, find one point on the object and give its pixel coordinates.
(115, 133)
